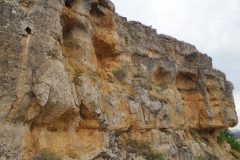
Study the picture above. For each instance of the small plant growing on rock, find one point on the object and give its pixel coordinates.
(147, 85)
(220, 139)
(119, 73)
(155, 156)
(202, 158)
(150, 86)
(44, 155)
(193, 134)
(143, 147)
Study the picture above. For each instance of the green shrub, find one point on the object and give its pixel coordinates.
(155, 156)
(226, 135)
(220, 138)
(234, 144)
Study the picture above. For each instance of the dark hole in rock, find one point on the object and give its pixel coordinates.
(84, 111)
(28, 30)
(165, 117)
(69, 3)
(103, 155)
(96, 11)
(52, 129)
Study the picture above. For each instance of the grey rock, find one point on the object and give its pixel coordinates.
(89, 94)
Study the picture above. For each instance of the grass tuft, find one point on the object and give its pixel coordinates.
(193, 134)
(119, 73)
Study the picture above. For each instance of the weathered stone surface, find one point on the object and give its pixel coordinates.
(52, 90)
(88, 89)
(80, 81)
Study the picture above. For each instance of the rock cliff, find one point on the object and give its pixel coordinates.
(82, 82)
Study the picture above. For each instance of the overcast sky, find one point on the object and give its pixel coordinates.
(213, 26)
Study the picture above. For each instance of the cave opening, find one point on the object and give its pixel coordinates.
(69, 3)
(28, 30)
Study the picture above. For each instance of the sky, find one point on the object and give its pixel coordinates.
(213, 26)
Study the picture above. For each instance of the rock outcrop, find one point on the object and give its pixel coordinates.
(80, 81)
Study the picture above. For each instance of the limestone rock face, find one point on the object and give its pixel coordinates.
(82, 82)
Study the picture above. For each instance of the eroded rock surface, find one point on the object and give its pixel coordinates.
(80, 81)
